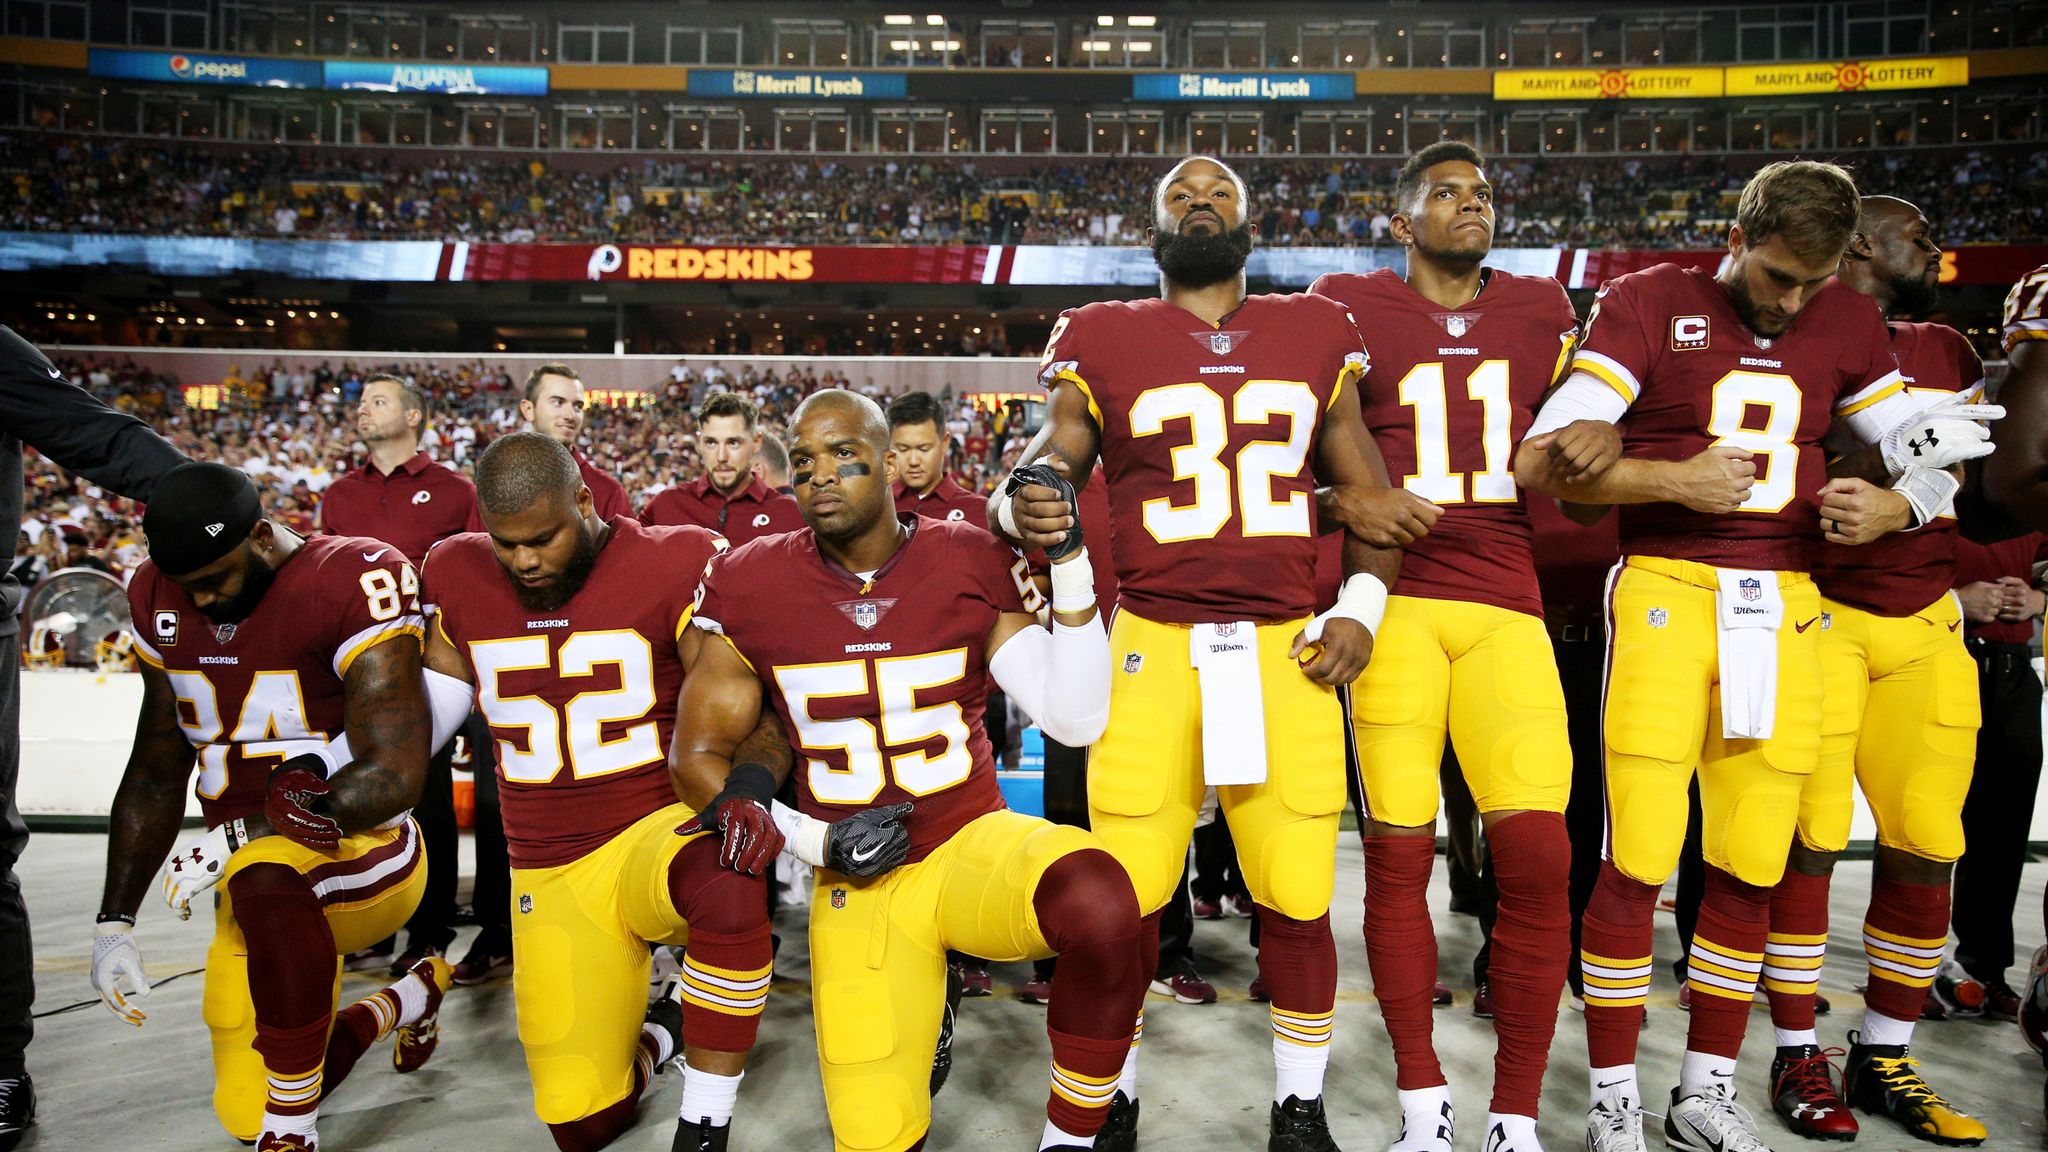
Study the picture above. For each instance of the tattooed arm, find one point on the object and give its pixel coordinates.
(1071, 438)
(151, 800)
(387, 724)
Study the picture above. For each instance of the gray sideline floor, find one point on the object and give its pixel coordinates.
(1205, 1080)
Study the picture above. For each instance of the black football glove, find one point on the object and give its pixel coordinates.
(749, 839)
(1043, 475)
(868, 843)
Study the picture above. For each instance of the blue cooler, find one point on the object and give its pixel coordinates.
(1024, 789)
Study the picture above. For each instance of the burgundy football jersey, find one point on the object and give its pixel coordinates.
(1900, 574)
(881, 682)
(1669, 340)
(1450, 393)
(1208, 442)
(257, 692)
(2026, 309)
(581, 700)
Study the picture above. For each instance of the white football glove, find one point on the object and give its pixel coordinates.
(1941, 435)
(115, 958)
(198, 866)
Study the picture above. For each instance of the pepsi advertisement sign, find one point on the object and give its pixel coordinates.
(202, 68)
(452, 79)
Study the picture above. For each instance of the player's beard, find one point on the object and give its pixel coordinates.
(1745, 307)
(256, 580)
(1200, 259)
(1912, 295)
(552, 596)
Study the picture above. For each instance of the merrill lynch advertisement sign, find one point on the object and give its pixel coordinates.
(1255, 86)
(801, 84)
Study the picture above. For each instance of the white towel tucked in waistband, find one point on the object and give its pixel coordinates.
(1748, 613)
(1226, 661)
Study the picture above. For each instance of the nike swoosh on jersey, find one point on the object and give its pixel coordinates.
(371, 557)
(1805, 626)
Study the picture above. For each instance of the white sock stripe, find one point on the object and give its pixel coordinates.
(1641, 972)
(1095, 1093)
(1933, 953)
(1312, 1039)
(725, 982)
(1709, 955)
(1716, 980)
(1597, 994)
(722, 1003)
(1909, 971)
(294, 1083)
(1774, 949)
(1792, 975)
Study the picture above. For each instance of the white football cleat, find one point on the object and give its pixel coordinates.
(1711, 1122)
(1615, 1126)
(1426, 1120)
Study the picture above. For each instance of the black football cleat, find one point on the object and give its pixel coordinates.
(700, 1135)
(942, 1056)
(17, 1109)
(1120, 1131)
(1881, 1079)
(1300, 1126)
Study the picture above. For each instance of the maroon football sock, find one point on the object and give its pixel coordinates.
(291, 980)
(1724, 963)
(1793, 950)
(1531, 944)
(728, 960)
(1400, 949)
(1904, 933)
(1614, 955)
(1089, 916)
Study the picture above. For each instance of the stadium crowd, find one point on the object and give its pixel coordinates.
(100, 184)
(292, 430)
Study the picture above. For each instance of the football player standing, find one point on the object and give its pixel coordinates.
(1718, 389)
(1899, 718)
(1216, 416)
(1461, 355)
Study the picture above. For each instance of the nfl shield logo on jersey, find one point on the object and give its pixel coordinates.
(1751, 587)
(1132, 662)
(1659, 617)
(839, 897)
(1220, 343)
(1455, 325)
(865, 616)
(224, 633)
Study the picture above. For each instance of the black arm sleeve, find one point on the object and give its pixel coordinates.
(67, 424)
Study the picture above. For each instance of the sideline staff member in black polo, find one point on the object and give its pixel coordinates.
(40, 408)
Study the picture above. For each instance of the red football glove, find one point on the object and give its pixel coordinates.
(749, 839)
(290, 808)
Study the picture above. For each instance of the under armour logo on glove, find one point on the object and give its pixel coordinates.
(1925, 444)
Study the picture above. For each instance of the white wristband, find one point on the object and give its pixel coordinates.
(803, 835)
(1073, 584)
(1363, 598)
(1006, 519)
